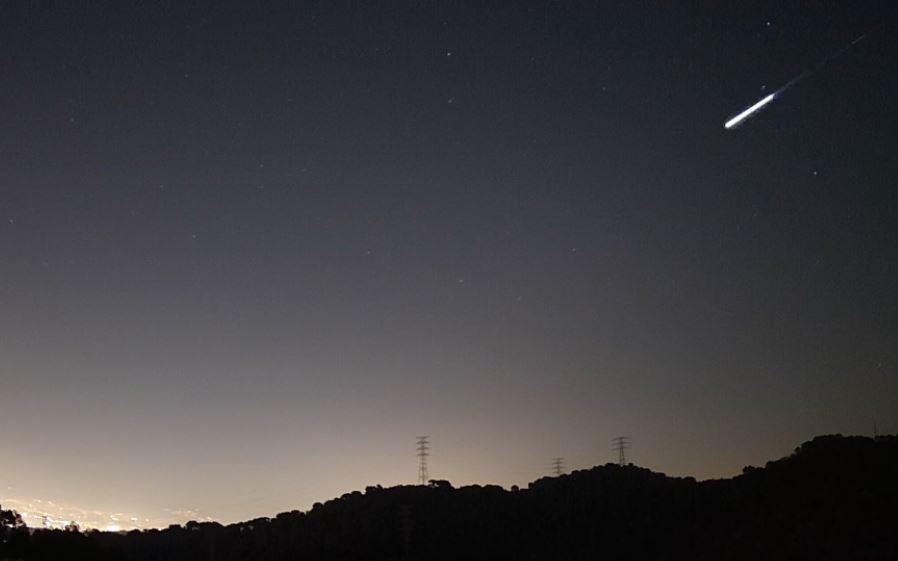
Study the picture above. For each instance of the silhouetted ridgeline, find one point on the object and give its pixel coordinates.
(834, 498)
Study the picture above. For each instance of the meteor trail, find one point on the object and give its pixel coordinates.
(732, 123)
(747, 113)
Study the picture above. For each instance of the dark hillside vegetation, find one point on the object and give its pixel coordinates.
(834, 498)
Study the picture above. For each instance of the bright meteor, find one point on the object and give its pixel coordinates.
(734, 122)
(748, 112)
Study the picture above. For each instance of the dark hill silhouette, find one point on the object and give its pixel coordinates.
(834, 498)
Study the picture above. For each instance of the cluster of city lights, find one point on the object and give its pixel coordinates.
(39, 513)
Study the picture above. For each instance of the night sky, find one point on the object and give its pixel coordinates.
(249, 251)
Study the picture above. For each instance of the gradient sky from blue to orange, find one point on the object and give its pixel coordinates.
(248, 254)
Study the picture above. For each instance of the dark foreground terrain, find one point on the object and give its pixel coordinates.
(834, 498)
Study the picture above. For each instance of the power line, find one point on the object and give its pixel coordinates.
(621, 444)
(558, 466)
(423, 448)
